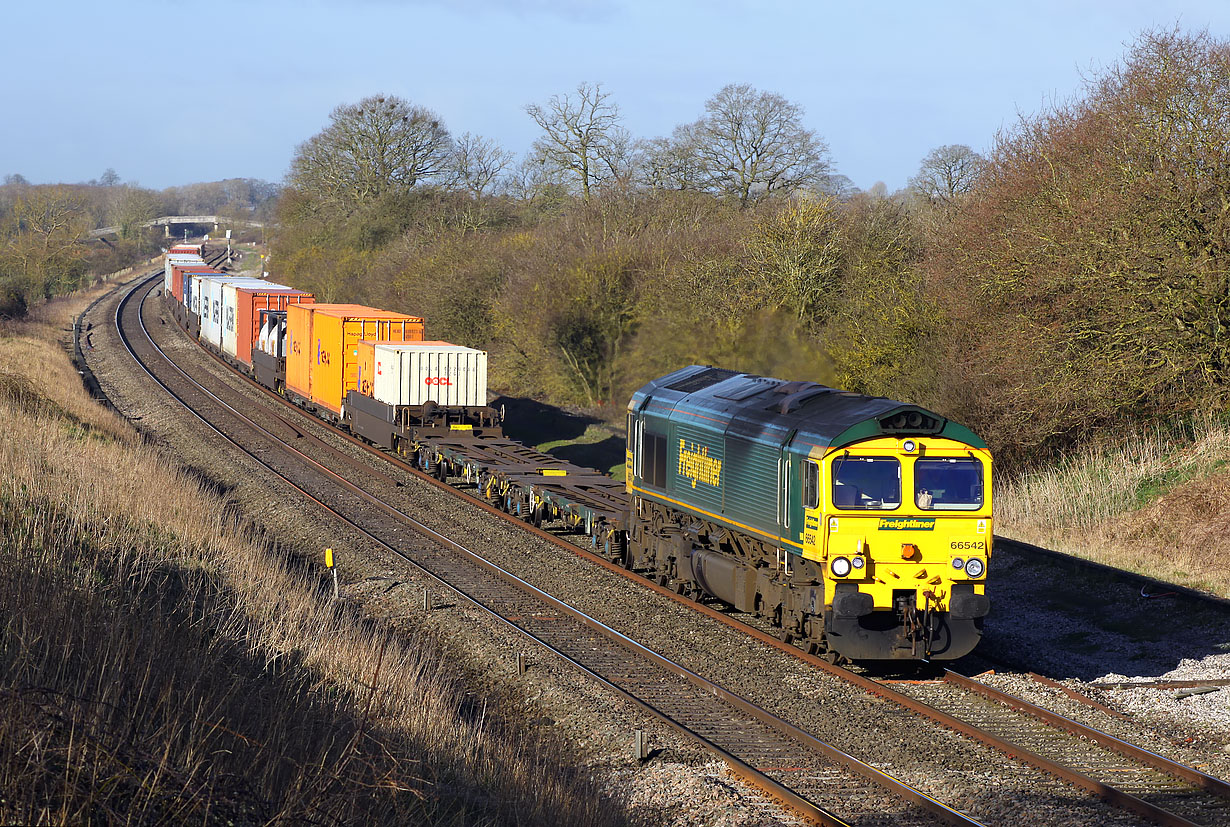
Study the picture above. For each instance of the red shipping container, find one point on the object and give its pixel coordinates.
(177, 277)
(250, 302)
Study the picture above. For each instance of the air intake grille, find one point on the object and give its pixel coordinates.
(702, 380)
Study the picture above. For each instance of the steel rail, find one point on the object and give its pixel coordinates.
(1103, 791)
(1193, 776)
(743, 770)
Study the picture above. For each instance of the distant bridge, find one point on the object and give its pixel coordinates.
(168, 220)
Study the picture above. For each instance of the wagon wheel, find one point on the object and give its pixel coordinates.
(426, 461)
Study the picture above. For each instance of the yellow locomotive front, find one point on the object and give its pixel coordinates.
(902, 529)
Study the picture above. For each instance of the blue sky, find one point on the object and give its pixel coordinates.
(171, 94)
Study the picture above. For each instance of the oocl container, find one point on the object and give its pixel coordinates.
(322, 346)
(418, 372)
(244, 303)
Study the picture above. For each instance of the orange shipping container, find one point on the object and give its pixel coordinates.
(322, 346)
(367, 368)
(251, 301)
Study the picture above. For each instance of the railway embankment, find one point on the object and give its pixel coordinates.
(163, 662)
(1156, 504)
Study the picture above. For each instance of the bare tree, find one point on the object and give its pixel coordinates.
(380, 144)
(40, 254)
(130, 207)
(477, 163)
(583, 137)
(751, 144)
(673, 163)
(947, 173)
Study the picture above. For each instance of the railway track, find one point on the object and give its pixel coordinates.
(820, 782)
(1132, 779)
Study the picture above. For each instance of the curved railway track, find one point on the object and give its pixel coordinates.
(820, 782)
(1126, 776)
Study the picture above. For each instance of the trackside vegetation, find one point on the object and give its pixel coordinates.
(160, 664)
(1068, 288)
(45, 244)
(1156, 504)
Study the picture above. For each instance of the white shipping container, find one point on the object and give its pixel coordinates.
(177, 259)
(213, 310)
(272, 338)
(411, 373)
(230, 310)
(192, 293)
(188, 288)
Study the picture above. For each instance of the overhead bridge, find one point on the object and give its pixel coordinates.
(168, 220)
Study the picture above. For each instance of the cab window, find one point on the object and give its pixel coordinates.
(653, 459)
(948, 484)
(811, 484)
(866, 483)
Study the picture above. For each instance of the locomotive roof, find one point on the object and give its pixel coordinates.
(763, 408)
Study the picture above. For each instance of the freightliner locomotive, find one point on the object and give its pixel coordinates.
(859, 526)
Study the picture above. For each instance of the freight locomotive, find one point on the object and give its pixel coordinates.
(857, 526)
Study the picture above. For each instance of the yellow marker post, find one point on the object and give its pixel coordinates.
(329, 566)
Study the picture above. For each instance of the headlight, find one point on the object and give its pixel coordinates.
(974, 567)
(840, 566)
(858, 562)
(958, 563)
(908, 446)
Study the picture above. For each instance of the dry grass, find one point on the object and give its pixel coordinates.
(1159, 505)
(160, 666)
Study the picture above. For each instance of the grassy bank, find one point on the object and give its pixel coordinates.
(1159, 505)
(161, 665)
